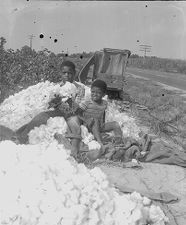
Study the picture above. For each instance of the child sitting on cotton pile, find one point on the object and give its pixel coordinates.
(91, 113)
(67, 72)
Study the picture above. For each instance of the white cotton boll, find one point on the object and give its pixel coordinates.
(128, 125)
(157, 216)
(82, 213)
(94, 145)
(80, 180)
(8, 195)
(68, 89)
(75, 195)
(136, 197)
(145, 212)
(86, 136)
(45, 133)
(93, 217)
(98, 174)
(109, 220)
(136, 216)
(82, 169)
(87, 92)
(84, 199)
(134, 161)
(124, 205)
(57, 123)
(8, 155)
(146, 201)
(88, 139)
(84, 131)
(105, 97)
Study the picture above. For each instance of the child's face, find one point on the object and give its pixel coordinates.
(96, 94)
(68, 74)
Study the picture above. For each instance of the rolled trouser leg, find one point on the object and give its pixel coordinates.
(75, 128)
(8, 134)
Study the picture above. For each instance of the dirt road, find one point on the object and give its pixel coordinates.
(174, 80)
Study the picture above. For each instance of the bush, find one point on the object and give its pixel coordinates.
(22, 68)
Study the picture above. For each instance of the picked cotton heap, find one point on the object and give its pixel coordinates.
(45, 133)
(128, 125)
(42, 185)
(20, 108)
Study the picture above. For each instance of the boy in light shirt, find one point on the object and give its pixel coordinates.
(67, 71)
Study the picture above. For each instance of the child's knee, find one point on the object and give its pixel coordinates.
(116, 125)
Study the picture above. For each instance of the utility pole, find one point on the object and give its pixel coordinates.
(76, 48)
(145, 49)
(30, 37)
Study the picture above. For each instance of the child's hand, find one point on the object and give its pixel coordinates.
(54, 102)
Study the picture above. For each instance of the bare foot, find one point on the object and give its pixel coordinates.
(94, 154)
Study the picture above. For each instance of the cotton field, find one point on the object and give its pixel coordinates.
(41, 184)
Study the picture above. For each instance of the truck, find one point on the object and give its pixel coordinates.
(108, 65)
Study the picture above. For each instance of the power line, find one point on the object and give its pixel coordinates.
(30, 37)
(145, 49)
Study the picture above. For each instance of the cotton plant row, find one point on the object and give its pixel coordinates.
(21, 107)
(41, 184)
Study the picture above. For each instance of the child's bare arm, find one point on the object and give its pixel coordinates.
(96, 132)
(79, 111)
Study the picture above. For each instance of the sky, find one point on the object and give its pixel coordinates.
(93, 25)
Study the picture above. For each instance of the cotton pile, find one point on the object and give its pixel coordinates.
(45, 133)
(41, 184)
(128, 124)
(20, 108)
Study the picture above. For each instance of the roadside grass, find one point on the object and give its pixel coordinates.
(163, 111)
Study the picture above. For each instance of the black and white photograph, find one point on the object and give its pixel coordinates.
(92, 112)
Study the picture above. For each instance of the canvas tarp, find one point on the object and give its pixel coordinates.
(152, 180)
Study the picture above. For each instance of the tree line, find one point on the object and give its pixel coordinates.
(24, 67)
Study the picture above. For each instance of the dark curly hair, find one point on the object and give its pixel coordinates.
(100, 84)
(69, 64)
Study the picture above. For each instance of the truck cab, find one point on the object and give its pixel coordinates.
(108, 65)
